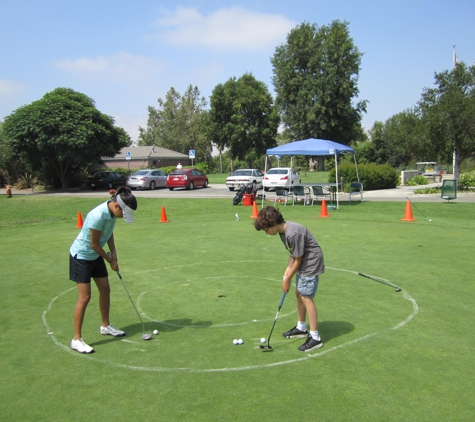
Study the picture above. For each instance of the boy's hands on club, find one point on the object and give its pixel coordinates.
(286, 284)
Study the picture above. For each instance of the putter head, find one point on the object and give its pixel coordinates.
(146, 336)
(398, 289)
(266, 348)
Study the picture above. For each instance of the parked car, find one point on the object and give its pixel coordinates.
(186, 178)
(106, 179)
(280, 176)
(244, 177)
(147, 179)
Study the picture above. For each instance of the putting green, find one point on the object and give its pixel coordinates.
(200, 317)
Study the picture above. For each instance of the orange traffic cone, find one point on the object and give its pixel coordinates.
(79, 223)
(164, 218)
(255, 211)
(408, 213)
(324, 212)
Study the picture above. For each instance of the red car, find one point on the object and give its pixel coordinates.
(186, 178)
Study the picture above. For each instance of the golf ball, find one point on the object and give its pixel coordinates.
(263, 340)
(235, 341)
(155, 332)
(240, 341)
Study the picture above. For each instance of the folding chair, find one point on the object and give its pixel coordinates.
(318, 191)
(281, 193)
(356, 188)
(300, 191)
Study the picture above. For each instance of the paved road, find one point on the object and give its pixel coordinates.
(221, 191)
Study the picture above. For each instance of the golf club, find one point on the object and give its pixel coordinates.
(430, 219)
(381, 280)
(145, 336)
(268, 347)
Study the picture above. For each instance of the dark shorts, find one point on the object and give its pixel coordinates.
(82, 270)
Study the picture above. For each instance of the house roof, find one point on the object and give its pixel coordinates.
(146, 152)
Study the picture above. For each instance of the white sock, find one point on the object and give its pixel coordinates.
(302, 326)
(315, 335)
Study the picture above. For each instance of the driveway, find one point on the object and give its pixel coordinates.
(221, 191)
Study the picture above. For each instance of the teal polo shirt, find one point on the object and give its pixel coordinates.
(99, 219)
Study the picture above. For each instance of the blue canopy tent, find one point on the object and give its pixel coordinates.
(314, 147)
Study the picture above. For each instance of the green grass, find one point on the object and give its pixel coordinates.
(191, 371)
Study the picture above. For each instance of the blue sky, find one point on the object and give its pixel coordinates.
(127, 54)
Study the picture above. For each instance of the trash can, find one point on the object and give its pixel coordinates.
(247, 199)
(449, 190)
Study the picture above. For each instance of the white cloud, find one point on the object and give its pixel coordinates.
(117, 67)
(10, 88)
(224, 30)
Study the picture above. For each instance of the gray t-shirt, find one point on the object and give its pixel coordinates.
(298, 240)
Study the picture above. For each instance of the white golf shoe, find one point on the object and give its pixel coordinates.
(111, 331)
(80, 346)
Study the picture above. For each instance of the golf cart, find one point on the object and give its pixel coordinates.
(430, 170)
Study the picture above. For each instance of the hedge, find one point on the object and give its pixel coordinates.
(373, 176)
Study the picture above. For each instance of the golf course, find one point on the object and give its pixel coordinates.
(205, 278)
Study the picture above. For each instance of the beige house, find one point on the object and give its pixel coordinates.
(146, 157)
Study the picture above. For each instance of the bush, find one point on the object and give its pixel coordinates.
(27, 181)
(417, 180)
(467, 180)
(373, 176)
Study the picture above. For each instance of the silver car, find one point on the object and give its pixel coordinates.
(147, 179)
(244, 177)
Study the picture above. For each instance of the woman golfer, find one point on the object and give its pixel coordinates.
(306, 263)
(87, 257)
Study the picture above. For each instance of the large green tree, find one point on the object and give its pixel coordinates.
(316, 80)
(243, 118)
(447, 117)
(178, 123)
(61, 133)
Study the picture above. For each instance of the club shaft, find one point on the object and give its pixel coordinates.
(276, 316)
(417, 208)
(387, 283)
(131, 301)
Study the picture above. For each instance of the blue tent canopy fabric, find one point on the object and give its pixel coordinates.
(311, 146)
(314, 147)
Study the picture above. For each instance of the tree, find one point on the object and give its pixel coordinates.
(447, 116)
(316, 80)
(178, 124)
(393, 140)
(62, 133)
(243, 118)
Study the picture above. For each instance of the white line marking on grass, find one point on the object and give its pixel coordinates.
(415, 310)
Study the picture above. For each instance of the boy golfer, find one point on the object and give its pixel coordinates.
(306, 263)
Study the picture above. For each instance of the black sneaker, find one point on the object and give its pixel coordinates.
(295, 333)
(310, 344)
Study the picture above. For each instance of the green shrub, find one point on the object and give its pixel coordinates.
(467, 180)
(373, 176)
(27, 181)
(417, 180)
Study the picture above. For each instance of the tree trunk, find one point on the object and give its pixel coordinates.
(321, 163)
(457, 163)
(220, 160)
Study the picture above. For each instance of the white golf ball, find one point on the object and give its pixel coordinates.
(240, 341)
(155, 332)
(263, 340)
(235, 341)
